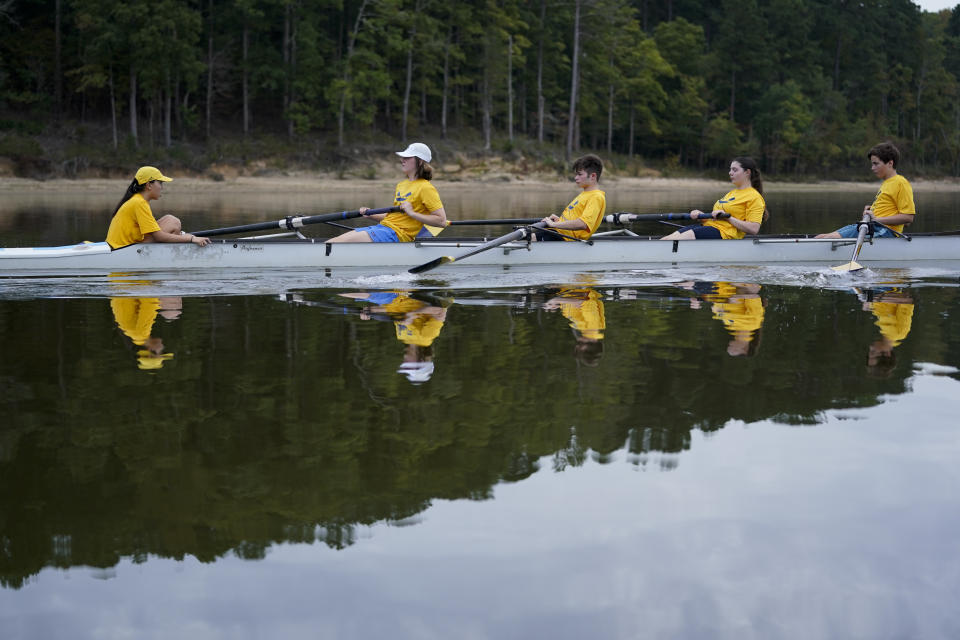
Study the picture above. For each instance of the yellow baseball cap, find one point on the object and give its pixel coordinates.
(146, 174)
(147, 360)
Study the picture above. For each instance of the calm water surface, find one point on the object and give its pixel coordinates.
(724, 453)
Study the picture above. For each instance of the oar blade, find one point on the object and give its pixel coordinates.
(853, 265)
(433, 264)
(850, 266)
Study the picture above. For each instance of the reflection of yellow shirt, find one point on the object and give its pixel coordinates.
(133, 219)
(895, 196)
(743, 204)
(722, 291)
(589, 206)
(894, 320)
(585, 312)
(421, 331)
(403, 304)
(742, 315)
(424, 199)
(135, 316)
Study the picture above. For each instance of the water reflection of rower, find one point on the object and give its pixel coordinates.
(583, 307)
(135, 318)
(893, 311)
(738, 306)
(417, 324)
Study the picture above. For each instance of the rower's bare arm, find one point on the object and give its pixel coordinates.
(436, 218)
(556, 222)
(163, 236)
(895, 219)
(750, 228)
(374, 216)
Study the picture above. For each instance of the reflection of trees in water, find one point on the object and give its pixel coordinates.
(280, 423)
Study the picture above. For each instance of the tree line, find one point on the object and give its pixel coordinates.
(804, 85)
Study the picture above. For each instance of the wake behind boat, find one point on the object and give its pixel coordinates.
(612, 250)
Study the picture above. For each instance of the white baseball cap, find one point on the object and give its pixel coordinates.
(416, 372)
(416, 150)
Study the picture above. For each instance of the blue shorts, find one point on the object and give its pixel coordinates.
(380, 233)
(852, 230)
(382, 298)
(702, 232)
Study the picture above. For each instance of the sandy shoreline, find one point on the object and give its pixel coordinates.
(318, 183)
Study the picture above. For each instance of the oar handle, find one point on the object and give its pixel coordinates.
(291, 223)
(623, 217)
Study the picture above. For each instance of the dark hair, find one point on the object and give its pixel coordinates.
(589, 163)
(756, 180)
(587, 351)
(886, 152)
(135, 187)
(880, 362)
(424, 170)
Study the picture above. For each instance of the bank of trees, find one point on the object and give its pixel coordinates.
(804, 84)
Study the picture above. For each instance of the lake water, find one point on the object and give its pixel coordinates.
(671, 453)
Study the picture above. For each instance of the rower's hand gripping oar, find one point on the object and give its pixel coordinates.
(292, 223)
(496, 242)
(623, 217)
(853, 265)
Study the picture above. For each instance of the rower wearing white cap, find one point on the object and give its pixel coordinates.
(416, 196)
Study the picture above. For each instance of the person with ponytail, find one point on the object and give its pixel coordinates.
(416, 196)
(133, 220)
(744, 204)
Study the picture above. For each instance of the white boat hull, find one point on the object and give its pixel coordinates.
(604, 252)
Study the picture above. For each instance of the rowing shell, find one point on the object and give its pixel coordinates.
(610, 251)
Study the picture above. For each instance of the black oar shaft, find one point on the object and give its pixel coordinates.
(503, 221)
(622, 217)
(291, 223)
(496, 242)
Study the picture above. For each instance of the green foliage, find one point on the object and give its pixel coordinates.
(17, 145)
(805, 83)
(722, 137)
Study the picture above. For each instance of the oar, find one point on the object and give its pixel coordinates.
(291, 222)
(861, 234)
(496, 242)
(622, 217)
(614, 218)
(503, 221)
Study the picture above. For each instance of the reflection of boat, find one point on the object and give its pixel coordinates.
(292, 253)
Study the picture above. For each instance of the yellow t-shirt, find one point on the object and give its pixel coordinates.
(894, 320)
(743, 204)
(424, 199)
(421, 331)
(741, 315)
(895, 196)
(403, 304)
(589, 206)
(584, 311)
(132, 221)
(135, 316)
(722, 292)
